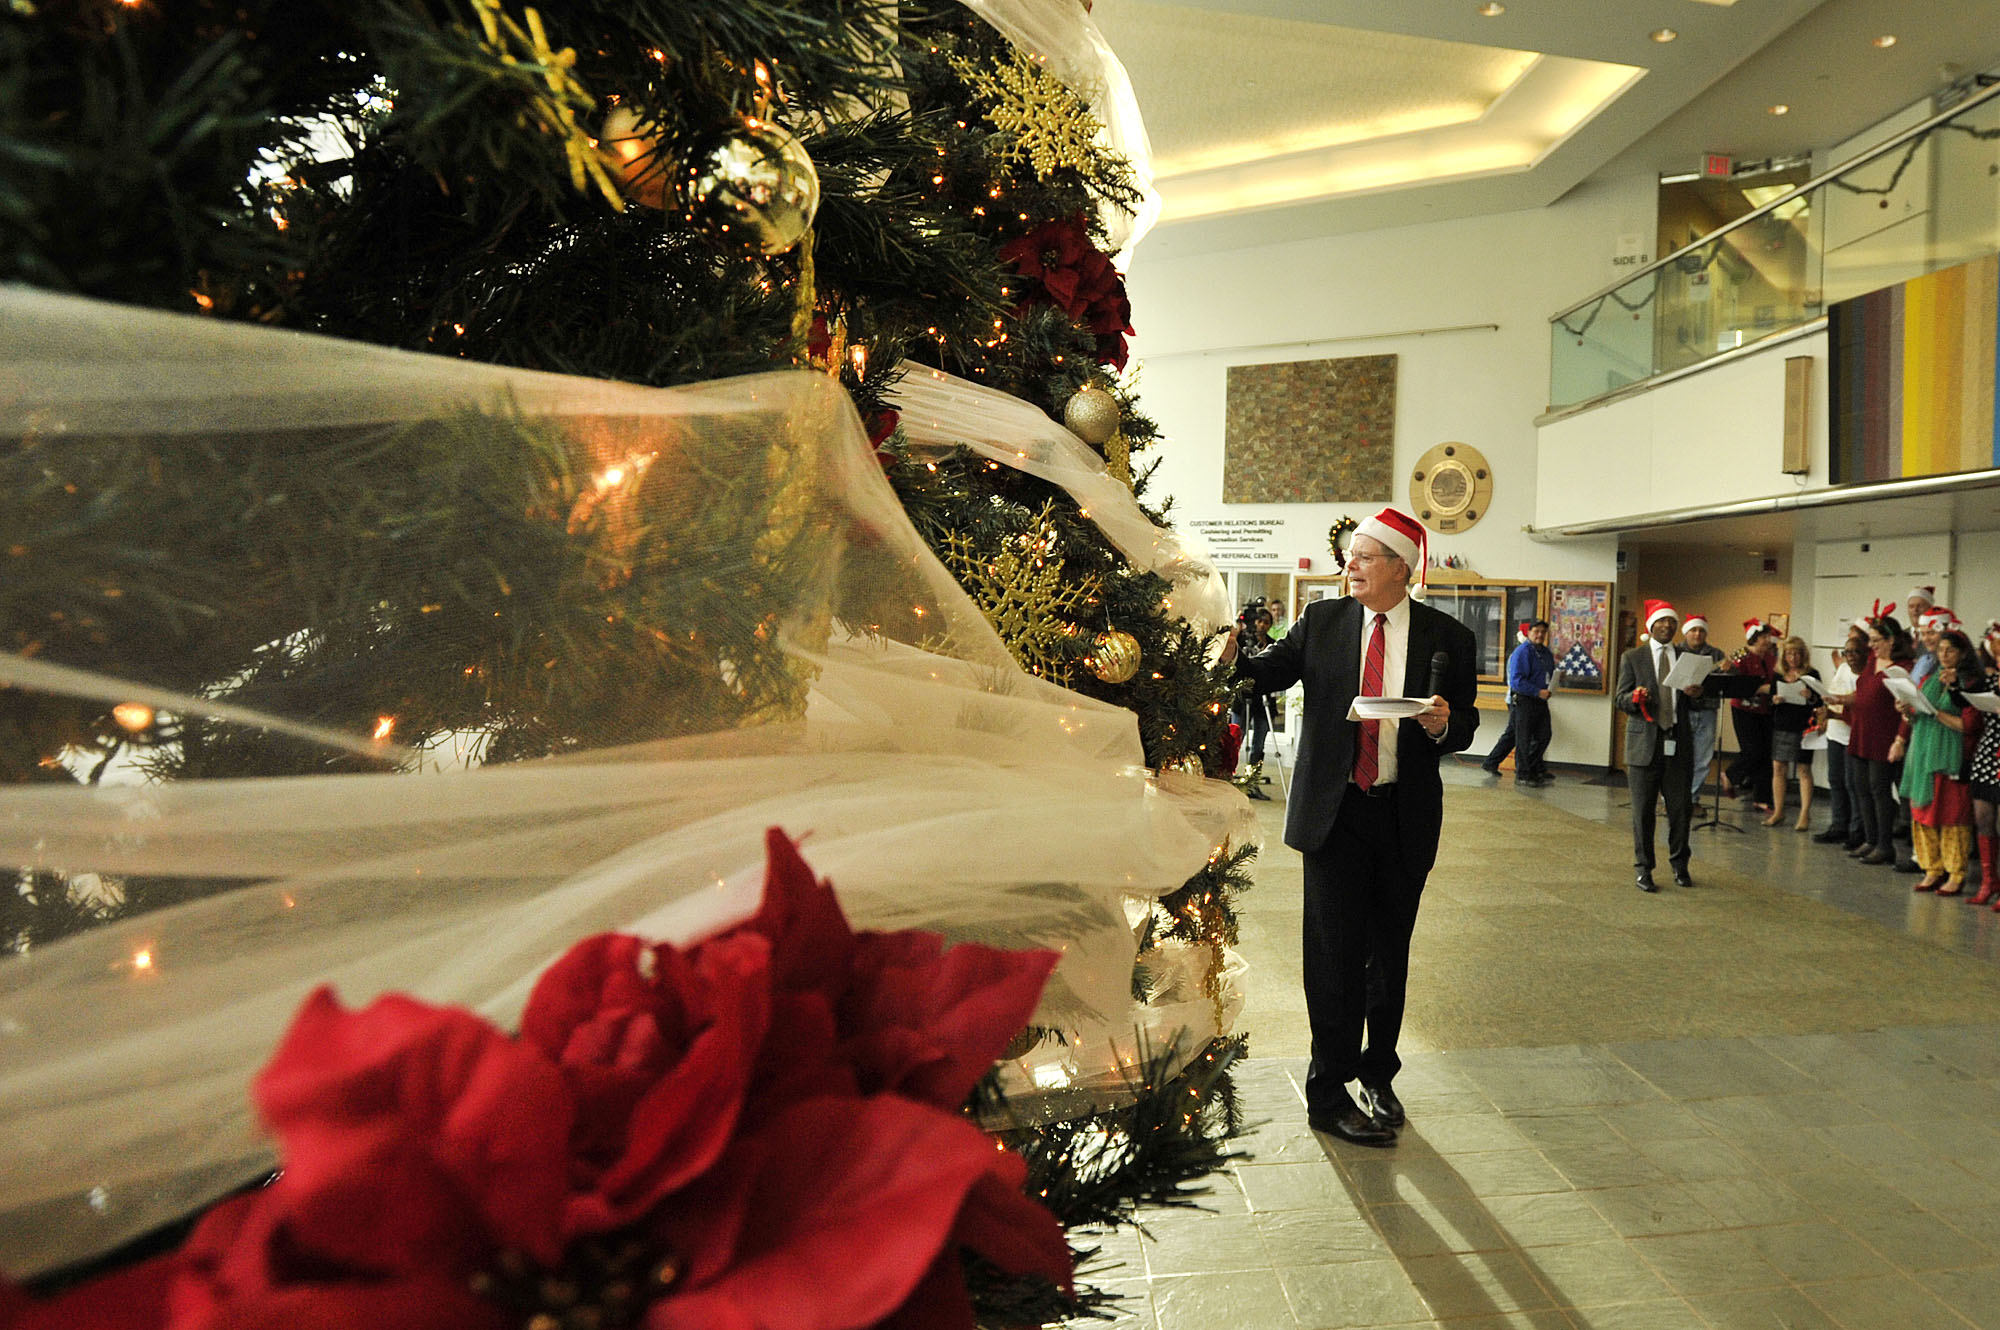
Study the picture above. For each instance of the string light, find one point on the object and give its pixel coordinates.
(132, 716)
(383, 726)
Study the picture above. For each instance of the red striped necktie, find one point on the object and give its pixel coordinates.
(1366, 755)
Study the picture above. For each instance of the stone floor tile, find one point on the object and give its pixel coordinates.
(1312, 1237)
(1385, 1176)
(1204, 1244)
(1782, 1150)
(1653, 1208)
(1814, 1252)
(1973, 1049)
(1920, 1241)
(1294, 1187)
(1574, 1128)
(1939, 1184)
(1336, 1297)
(1666, 1314)
(1695, 1263)
(1890, 1303)
(1840, 1192)
(1589, 1167)
(1742, 1202)
(1476, 1284)
(1696, 1160)
(1204, 1302)
(1427, 1229)
(1133, 1309)
(1763, 1309)
(1593, 1274)
(1509, 1173)
(1548, 1219)
(1687, 1069)
(1465, 1133)
(1653, 1121)
(1547, 1318)
(1119, 1255)
(1973, 1293)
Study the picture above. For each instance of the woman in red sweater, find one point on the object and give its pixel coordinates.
(1872, 727)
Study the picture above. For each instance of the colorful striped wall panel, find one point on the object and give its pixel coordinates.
(1913, 376)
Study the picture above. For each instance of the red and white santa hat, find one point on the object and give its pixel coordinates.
(1657, 610)
(1927, 594)
(1521, 632)
(1939, 618)
(1754, 628)
(1404, 535)
(1992, 629)
(1694, 621)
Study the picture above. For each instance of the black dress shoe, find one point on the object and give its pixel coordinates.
(1645, 882)
(1681, 878)
(1382, 1105)
(1256, 793)
(1858, 845)
(1831, 836)
(1908, 866)
(1351, 1124)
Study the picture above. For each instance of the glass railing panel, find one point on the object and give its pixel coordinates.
(1929, 202)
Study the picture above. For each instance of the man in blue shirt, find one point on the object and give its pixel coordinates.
(1530, 672)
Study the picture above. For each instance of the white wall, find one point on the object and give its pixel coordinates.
(1711, 437)
(1350, 295)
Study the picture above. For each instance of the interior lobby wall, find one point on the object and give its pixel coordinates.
(1350, 295)
(1725, 584)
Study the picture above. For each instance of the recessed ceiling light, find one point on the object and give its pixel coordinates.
(1779, 109)
(1664, 34)
(1886, 40)
(1492, 9)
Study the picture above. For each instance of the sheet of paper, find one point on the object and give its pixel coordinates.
(1813, 684)
(1908, 694)
(1986, 702)
(1386, 708)
(1795, 693)
(1895, 672)
(1690, 668)
(1813, 740)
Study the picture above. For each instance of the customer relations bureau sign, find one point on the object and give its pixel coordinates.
(1246, 542)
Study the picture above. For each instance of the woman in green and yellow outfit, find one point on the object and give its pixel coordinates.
(1933, 752)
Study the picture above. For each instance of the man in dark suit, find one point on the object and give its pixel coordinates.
(1366, 807)
(1659, 744)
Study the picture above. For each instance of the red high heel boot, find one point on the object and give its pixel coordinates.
(1989, 871)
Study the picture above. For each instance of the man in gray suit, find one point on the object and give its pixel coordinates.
(1659, 744)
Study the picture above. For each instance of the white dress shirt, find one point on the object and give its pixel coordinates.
(1395, 661)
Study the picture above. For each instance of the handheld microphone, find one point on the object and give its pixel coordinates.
(1440, 662)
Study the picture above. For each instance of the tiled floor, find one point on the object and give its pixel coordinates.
(1846, 1180)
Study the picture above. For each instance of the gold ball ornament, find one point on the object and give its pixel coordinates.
(631, 145)
(751, 182)
(1092, 415)
(1114, 657)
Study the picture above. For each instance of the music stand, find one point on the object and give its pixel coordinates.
(1720, 685)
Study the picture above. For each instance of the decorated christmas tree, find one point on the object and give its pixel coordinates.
(256, 555)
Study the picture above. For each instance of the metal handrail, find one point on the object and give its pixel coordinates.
(1860, 159)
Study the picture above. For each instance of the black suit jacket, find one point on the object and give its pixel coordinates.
(1324, 650)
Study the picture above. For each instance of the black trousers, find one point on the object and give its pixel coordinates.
(1505, 744)
(1360, 909)
(1878, 804)
(1836, 784)
(1750, 773)
(1534, 731)
(1669, 778)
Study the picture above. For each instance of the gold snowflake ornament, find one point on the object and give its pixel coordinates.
(1048, 127)
(1023, 593)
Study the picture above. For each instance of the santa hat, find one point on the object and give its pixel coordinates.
(1404, 536)
(1927, 594)
(1754, 628)
(1992, 630)
(1694, 621)
(1657, 610)
(1521, 633)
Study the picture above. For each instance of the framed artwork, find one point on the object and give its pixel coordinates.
(1306, 590)
(1580, 635)
(1491, 609)
(1310, 431)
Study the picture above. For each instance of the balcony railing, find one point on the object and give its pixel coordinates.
(1927, 198)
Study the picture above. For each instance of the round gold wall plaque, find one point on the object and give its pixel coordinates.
(1451, 488)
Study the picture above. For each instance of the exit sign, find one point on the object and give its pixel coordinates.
(1717, 166)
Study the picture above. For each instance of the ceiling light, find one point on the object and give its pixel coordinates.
(1779, 109)
(1663, 34)
(1492, 9)
(1886, 40)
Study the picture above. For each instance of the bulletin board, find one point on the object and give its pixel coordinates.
(1580, 635)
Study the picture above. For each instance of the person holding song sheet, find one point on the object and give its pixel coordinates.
(1872, 725)
(1659, 741)
(1704, 712)
(1984, 770)
(1933, 751)
(1795, 711)
(1390, 686)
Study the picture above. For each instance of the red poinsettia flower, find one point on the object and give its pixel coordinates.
(767, 1119)
(1077, 278)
